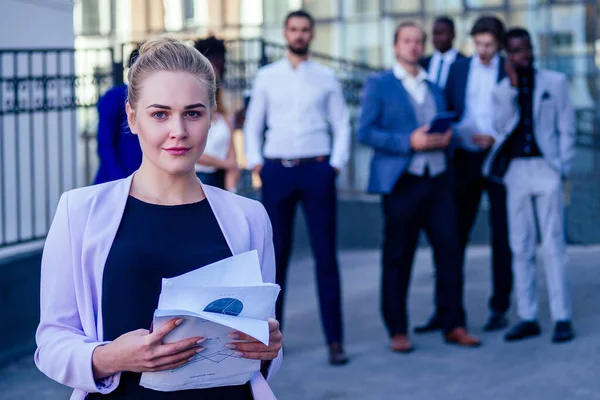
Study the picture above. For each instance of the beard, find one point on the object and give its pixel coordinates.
(299, 51)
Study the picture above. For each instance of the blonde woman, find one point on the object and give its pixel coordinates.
(110, 245)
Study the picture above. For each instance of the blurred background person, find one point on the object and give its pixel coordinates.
(438, 64)
(218, 165)
(536, 122)
(469, 93)
(301, 101)
(119, 151)
(411, 170)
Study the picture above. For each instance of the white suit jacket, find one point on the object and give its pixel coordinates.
(73, 260)
(554, 123)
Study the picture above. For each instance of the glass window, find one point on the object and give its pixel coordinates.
(322, 8)
(173, 17)
(361, 41)
(530, 3)
(483, 3)
(361, 7)
(94, 17)
(403, 6)
(324, 41)
(443, 6)
(274, 12)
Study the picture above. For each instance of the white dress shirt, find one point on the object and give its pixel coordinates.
(417, 88)
(217, 143)
(434, 66)
(299, 107)
(478, 102)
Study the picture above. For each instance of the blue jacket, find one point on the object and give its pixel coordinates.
(386, 123)
(119, 150)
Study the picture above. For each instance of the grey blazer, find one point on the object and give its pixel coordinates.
(553, 122)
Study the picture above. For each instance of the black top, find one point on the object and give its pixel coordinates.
(523, 140)
(155, 242)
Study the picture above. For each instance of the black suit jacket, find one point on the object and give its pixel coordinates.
(426, 62)
(456, 85)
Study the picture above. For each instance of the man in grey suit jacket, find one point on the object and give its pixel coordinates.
(536, 122)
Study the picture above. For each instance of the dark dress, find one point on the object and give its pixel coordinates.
(155, 242)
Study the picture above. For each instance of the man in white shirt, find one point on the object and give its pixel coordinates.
(301, 101)
(468, 91)
(438, 64)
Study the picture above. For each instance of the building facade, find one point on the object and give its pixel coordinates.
(564, 33)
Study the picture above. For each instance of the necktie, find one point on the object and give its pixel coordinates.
(439, 74)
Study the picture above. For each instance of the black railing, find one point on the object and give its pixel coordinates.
(48, 120)
(43, 107)
(48, 123)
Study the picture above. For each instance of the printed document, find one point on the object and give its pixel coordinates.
(214, 301)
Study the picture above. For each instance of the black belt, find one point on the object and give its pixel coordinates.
(293, 162)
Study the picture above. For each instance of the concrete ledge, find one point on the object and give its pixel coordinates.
(20, 301)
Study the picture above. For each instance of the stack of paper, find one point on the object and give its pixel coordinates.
(214, 301)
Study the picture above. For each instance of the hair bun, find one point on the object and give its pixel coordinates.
(154, 44)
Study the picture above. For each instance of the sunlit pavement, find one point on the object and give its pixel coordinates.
(532, 369)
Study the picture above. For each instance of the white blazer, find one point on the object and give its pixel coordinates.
(73, 260)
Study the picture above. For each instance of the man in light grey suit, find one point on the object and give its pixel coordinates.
(536, 121)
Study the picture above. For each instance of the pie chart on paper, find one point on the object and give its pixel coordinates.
(226, 306)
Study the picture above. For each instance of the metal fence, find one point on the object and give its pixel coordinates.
(48, 124)
(48, 120)
(41, 101)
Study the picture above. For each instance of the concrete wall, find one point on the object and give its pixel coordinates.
(20, 304)
(52, 19)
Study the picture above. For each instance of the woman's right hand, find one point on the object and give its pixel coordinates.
(142, 351)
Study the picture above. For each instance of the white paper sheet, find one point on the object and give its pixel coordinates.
(214, 301)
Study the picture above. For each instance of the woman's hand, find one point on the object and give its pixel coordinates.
(256, 350)
(142, 351)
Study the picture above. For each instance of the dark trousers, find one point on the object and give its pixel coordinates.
(470, 185)
(313, 185)
(421, 203)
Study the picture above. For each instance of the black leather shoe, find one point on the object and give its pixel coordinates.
(523, 330)
(496, 322)
(337, 355)
(563, 332)
(434, 324)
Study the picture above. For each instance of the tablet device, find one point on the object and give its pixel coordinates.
(442, 122)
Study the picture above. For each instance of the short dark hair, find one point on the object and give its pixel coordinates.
(444, 19)
(489, 24)
(211, 47)
(406, 25)
(135, 53)
(300, 14)
(514, 33)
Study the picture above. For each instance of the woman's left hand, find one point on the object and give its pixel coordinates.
(256, 350)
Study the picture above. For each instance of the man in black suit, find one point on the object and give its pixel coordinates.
(469, 93)
(438, 64)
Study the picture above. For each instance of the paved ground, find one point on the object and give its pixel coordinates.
(533, 369)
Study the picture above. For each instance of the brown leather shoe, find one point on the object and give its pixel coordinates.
(461, 337)
(401, 344)
(337, 355)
